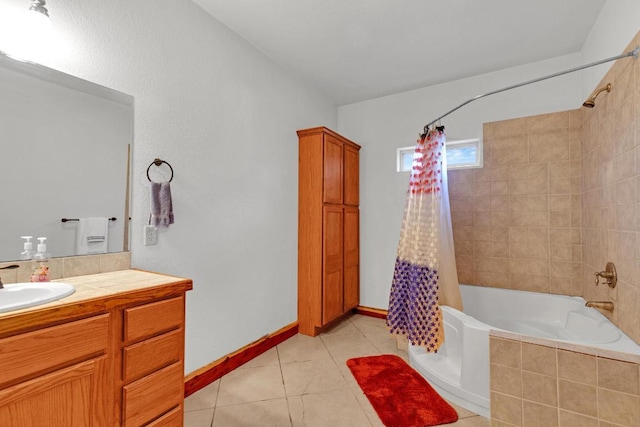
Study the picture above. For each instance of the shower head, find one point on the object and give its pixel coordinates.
(591, 102)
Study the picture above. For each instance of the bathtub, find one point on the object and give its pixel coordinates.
(460, 369)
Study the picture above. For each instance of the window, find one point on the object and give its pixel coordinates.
(462, 154)
(405, 159)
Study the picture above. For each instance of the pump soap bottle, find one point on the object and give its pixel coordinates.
(27, 253)
(41, 258)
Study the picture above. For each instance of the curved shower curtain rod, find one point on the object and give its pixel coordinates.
(633, 53)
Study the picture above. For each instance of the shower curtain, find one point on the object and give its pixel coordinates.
(425, 274)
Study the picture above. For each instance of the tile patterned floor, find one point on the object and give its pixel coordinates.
(303, 382)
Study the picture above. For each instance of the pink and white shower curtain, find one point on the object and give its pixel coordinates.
(425, 275)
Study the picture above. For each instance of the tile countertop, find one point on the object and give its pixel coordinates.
(95, 293)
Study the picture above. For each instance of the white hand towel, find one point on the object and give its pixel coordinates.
(93, 237)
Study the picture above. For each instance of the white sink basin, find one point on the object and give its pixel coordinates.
(15, 296)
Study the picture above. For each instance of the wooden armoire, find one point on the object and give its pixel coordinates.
(328, 228)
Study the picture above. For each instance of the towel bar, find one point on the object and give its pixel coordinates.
(77, 219)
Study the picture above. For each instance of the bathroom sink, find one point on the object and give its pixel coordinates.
(15, 296)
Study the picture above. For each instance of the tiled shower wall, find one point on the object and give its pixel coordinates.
(558, 197)
(516, 221)
(611, 188)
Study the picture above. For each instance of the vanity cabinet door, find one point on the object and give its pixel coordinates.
(57, 376)
(64, 398)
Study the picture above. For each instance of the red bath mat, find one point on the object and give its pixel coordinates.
(399, 394)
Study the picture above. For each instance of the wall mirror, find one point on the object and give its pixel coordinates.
(66, 146)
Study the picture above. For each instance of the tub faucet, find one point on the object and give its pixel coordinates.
(602, 305)
(8, 267)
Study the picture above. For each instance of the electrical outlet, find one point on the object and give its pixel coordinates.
(150, 235)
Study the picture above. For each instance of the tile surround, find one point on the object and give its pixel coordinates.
(611, 191)
(539, 388)
(70, 266)
(577, 367)
(524, 232)
(558, 387)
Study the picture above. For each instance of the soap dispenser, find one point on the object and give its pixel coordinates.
(27, 253)
(41, 258)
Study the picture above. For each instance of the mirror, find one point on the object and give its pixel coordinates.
(66, 146)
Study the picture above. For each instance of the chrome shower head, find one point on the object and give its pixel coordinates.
(591, 102)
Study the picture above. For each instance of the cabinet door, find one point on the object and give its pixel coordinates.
(332, 259)
(69, 397)
(351, 176)
(332, 170)
(351, 258)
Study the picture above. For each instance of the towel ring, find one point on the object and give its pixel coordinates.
(158, 162)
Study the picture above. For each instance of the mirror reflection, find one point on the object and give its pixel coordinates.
(66, 147)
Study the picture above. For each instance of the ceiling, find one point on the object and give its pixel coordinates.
(354, 50)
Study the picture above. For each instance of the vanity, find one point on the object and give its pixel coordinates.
(110, 354)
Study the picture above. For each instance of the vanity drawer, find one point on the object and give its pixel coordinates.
(147, 320)
(171, 419)
(150, 355)
(39, 351)
(153, 395)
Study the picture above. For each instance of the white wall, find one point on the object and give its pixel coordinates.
(384, 124)
(617, 24)
(225, 117)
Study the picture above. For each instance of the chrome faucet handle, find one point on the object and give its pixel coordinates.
(597, 278)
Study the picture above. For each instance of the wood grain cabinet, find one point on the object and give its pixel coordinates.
(152, 361)
(56, 376)
(113, 362)
(328, 228)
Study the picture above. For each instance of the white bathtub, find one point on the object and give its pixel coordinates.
(460, 369)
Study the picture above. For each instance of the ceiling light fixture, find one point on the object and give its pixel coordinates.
(39, 16)
(39, 6)
(28, 35)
